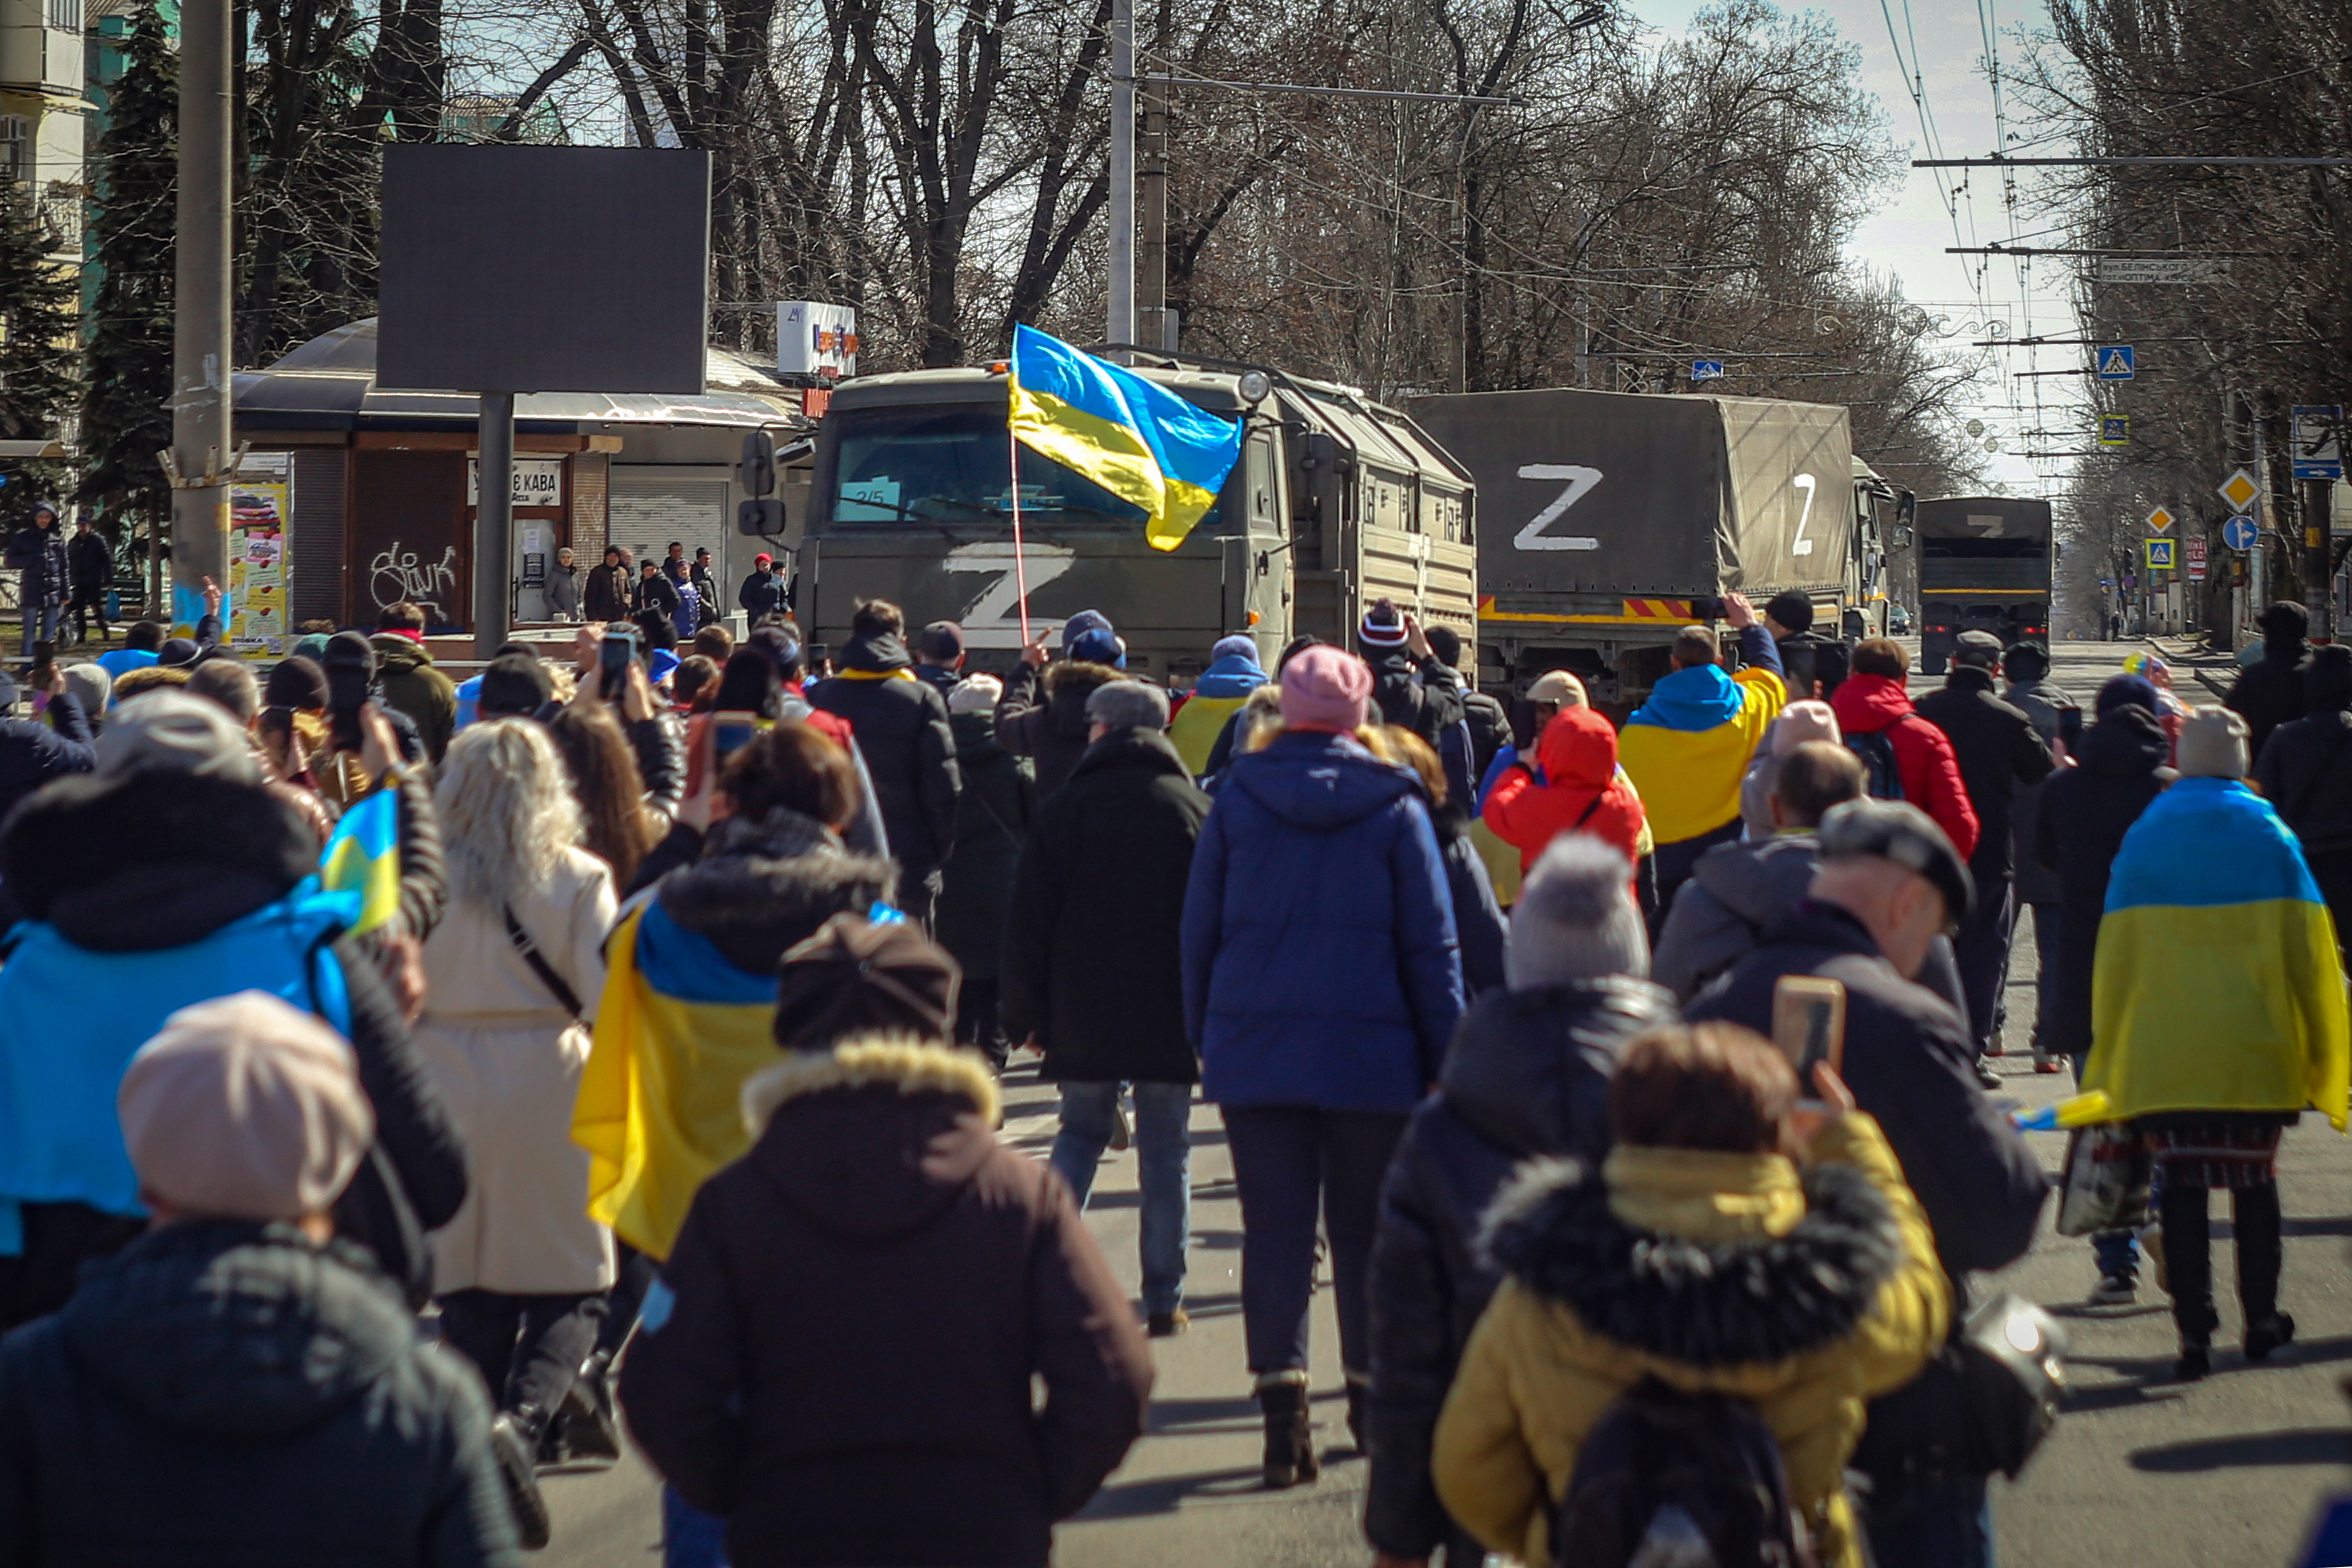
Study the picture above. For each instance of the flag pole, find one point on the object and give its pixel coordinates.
(1020, 565)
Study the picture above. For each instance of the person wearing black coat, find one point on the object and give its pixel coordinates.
(90, 564)
(1093, 967)
(2047, 705)
(1043, 715)
(1409, 687)
(655, 590)
(764, 593)
(1998, 750)
(609, 588)
(2305, 773)
(2270, 692)
(1526, 1075)
(35, 751)
(45, 574)
(901, 725)
(993, 811)
(1488, 721)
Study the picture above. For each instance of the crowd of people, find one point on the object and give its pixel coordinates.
(408, 1085)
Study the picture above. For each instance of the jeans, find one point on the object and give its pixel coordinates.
(1981, 950)
(46, 619)
(1944, 1523)
(1286, 1161)
(529, 1348)
(1163, 1151)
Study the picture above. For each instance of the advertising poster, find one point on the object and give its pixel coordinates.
(254, 603)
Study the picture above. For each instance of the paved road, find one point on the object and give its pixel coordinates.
(2143, 1470)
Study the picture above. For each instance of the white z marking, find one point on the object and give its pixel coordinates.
(992, 619)
(1803, 546)
(1580, 480)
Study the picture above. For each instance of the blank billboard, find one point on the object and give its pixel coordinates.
(544, 268)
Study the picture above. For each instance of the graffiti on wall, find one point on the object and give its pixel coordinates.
(396, 574)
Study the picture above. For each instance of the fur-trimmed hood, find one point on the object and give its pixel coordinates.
(762, 886)
(1068, 684)
(1702, 1304)
(875, 1137)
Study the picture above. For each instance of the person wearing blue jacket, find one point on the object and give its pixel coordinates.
(1322, 979)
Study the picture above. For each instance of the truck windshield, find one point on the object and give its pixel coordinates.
(947, 465)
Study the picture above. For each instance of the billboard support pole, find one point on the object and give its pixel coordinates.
(494, 525)
(200, 352)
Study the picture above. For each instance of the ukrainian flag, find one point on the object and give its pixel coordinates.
(2217, 985)
(363, 857)
(1136, 439)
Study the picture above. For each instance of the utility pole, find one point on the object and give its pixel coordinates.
(1120, 328)
(494, 525)
(2318, 508)
(1152, 319)
(202, 354)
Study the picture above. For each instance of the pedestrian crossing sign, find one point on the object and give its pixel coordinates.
(2159, 555)
(2116, 362)
(2114, 429)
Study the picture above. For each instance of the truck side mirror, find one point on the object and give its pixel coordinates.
(756, 473)
(760, 517)
(1899, 538)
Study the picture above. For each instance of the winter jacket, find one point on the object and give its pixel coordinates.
(1223, 687)
(89, 563)
(2219, 986)
(222, 1393)
(1735, 891)
(2303, 772)
(800, 1376)
(762, 594)
(1910, 1062)
(1480, 926)
(39, 554)
(1093, 943)
(1999, 751)
(1810, 658)
(148, 862)
(1632, 1273)
(35, 751)
(993, 811)
(1417, 694)
(563, 592)
(2043, 702)
(1044, 718)
(2270, 693)
(1582, 791)
(1687, 747)
(2085, 811)
(654, 592)
(411, 684)
(901, 725)
(1527, 1074)
(1490, 729)
(607, 595)
(507, 1054)
(1876, 704)
(1321, 965)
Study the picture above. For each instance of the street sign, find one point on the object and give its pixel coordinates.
(2107, 582)
(2160, 269)
(2239, 490)
(2160, 519)
(2159, 555)
(2116, 362)
(2114, 429)
(2319, 441)
(2240, 534)
(1706, 370)
(2193, 553)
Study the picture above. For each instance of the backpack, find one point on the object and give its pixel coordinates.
(1881, 775)
(1668, 1480)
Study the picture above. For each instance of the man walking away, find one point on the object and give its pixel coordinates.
(2271, 692)
(1889, 882)
(1112, 852)
(1489, 722)
(409, 682)
(239, 1385)
(901, 725)
(1044, 713)
(994, 808)
(90, 564)
(2305, 773)
(1687, 747)
(1233, 674)
(1998, 750)
(938, 656)
(45, 574)
(1904, 756)
(2045, 702)
(1812, 664)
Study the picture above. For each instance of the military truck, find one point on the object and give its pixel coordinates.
(1613, 520)
(1984, 565)
(1337, 501)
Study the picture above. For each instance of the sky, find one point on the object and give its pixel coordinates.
(1909, 234)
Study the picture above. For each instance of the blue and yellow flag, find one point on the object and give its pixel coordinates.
(363, 857)
(1136, 439)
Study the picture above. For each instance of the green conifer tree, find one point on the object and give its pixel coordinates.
(39, 303)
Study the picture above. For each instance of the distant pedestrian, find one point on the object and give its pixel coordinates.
(1876, 718)
(1489, 723)
(940, 656)
(1813, 663)
(995, 810)
(901, 725)
(839, 1358)
(1044, 713)
(655, 589)
(2219, 1015)
(43, 573)
(2271, 692)
(238, 1385)
(563, 587)
(2303, 772)
(706, 589)
(1321, 983)
(610, 588)
(409, 682)
(762, 592)
(2026, 665)
(90, 563)
(1115, 847)
(1217, 694)
(1527, 1075)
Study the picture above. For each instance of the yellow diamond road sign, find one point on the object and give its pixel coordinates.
(2160, 519)
(2239, 490)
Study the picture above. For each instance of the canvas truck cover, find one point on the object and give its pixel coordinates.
(1648, 495)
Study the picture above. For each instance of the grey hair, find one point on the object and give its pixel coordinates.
(1128, 705)
(230, 683)
(507, 810)
(1576, 919)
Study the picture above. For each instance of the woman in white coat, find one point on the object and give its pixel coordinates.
(513, 973)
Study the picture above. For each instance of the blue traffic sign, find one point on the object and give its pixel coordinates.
(1706, 370)
(2116, 362)
(2240, 534)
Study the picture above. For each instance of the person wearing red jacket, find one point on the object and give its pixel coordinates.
(1872, 701)
(1581, 789)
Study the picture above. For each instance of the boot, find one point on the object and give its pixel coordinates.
(514, 1440)
(2189, 1265)
(1289, 1435)
(584, 1430)
(1360, 1395)
(2256, 1210)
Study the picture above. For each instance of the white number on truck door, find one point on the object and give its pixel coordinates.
(1580, 480)
(1807, 483)
(992, 619)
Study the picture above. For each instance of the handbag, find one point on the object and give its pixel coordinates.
(2106, 1187)
(557, 986)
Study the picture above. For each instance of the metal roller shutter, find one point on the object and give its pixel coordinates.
(315, 576)
(652, 506)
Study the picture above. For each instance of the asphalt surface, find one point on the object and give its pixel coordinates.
(2141, 1470)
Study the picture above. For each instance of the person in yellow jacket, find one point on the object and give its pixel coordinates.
(1703, 1256)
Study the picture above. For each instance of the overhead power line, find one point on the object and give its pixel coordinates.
(2000, 162)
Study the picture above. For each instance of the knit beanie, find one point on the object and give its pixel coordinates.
(1235, 646)
(1128, 705)
(1325, 688)
(1383, 626)
(89, 685)
(513, 683)
(170, 731)
(2126, 692)
(977, 693)
(857, 977)
(1089, 638)
(296, 682)
(1576, 919)
(1810, 719)
(2213, 745)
